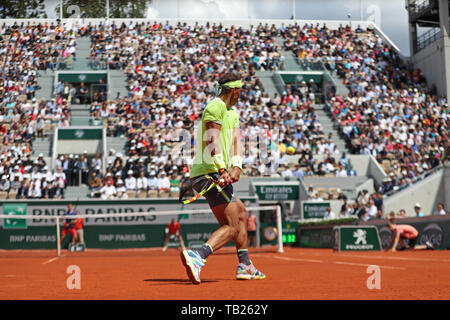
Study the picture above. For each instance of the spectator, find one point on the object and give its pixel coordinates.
(95, 184)
(418, 211)
(153, 181)
(440, 209)
(108, 191)
(121, 190)
(142, 181)
(330, 214)
(163, 182)
(130, 181)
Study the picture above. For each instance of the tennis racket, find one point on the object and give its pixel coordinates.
(185, 193)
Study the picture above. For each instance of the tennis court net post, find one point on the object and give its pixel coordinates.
(57, 219)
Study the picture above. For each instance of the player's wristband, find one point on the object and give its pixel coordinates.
(221, 171)
(219, 162)
(236, 161)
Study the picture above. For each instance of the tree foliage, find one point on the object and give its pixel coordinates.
(97, 8)
(22, 9)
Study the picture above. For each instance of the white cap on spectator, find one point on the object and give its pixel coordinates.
(41, 155)
(16, 167)
(45, 168)
(152, 173)
(61, 158)
(85, 152)
(71, 156)
(119, 155)
(109, 174)
(130, 171)
(36, 162)
(174, 168)
(120, 181)
(163, 173)
(4, 177)
(141, 160)
(417, 205)
(109, 161)
(186, 174)
(117, 173)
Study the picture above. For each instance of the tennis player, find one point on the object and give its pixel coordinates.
(174, 229)
(404, 232)
(218, 142)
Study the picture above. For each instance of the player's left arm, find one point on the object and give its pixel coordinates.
(236, 154)
(396, 239)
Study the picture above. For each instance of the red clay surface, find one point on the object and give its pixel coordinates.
(294, 275)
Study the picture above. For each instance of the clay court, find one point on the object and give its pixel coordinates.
(296, 274)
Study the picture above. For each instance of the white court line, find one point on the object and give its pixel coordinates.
(336, 262)
(377, 257)
(295, 259)
(366, 265)
(53, 259)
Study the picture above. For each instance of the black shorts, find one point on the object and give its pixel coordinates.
(411, 242)
(213, 196)
(251, 233)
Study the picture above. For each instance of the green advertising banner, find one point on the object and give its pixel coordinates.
(299, 77)
(357, 238)
(105, 232)
(82, 77)
(314, 210)
(80, 134)
(14, 209)
(106, 237)
(315, 237)
(277, 191)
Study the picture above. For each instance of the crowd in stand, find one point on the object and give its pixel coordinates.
(26, 50)
(172, 71)
(172, 77)
(390, 113)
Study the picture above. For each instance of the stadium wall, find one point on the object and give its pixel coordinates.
(428, 192)
(367, 165)
(431, 61)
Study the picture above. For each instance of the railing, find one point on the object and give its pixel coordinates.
(420, 6)
(415, 180)
(428, 38)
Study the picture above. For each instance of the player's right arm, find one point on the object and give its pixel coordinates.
(213, 130)
(213, 117)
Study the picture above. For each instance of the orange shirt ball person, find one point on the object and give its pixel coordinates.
(173, 229)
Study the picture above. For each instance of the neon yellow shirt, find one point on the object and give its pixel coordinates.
(216, 111)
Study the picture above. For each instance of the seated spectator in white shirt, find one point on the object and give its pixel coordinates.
(4, 183)
(130, 181)
(163, 182)
(287, 172)
(373, 210)
(330, 214)
(108, 191)
(341, 172)
(60, 186)
(440, 209)
(35, 190)
(121, 190)
(142, 181)
(152, 182)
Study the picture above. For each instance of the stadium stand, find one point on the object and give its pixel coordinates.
(26, 51)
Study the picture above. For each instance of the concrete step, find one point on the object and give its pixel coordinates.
(81, 121)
